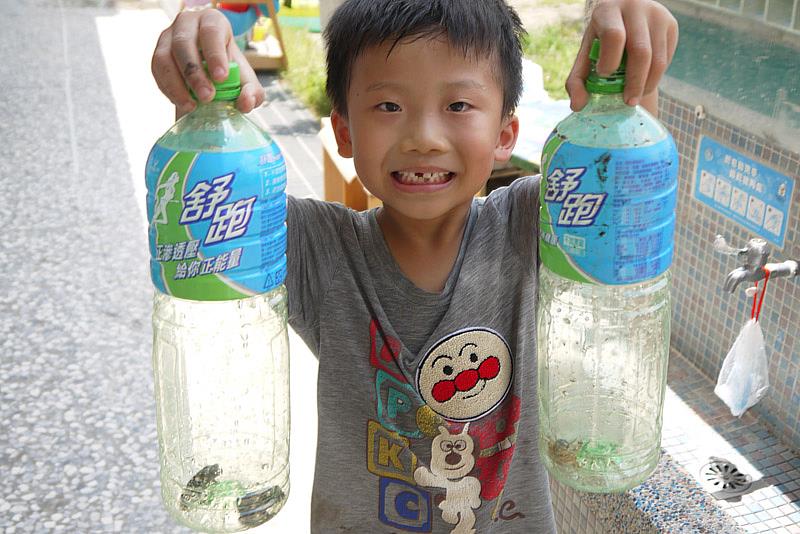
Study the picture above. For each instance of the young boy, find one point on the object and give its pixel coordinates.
(422, 312)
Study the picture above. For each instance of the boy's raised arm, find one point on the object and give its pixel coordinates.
(192, 37)
(643, 28)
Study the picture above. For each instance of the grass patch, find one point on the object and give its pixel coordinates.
(300, 11)
(555, 48)
(306, 73)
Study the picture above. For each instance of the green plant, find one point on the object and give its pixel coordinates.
(306, 73)
(299, 11)
(554, 48)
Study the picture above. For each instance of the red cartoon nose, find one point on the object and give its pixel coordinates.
(465, 380)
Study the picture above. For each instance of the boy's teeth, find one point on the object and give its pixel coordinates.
(423, 177)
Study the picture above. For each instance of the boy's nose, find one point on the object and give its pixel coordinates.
(423, 135)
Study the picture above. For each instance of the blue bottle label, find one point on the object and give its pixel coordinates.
(217, 222)
(607, 216)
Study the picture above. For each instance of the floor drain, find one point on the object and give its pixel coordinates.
(720, 475)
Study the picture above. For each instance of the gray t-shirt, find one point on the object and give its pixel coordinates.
(426, 402)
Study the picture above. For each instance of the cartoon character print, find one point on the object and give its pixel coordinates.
(451, 462)
(494, 437)
(466, 375)
(462, 404)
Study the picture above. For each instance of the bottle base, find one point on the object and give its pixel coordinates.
(592, 466)
(211, 503)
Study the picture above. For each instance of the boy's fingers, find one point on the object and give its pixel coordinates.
(672, 39)
(247, 99)
(658, 61)
(186, 53)
(166, 73)
(609, 27)
(252, 97)
(662, 23)
(252, 94)
(214, 35)
(640, 54)
(578, 96)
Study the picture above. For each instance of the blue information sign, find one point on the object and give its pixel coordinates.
(748, 192)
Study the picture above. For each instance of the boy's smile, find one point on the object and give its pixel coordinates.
(425, 126)
(422, 180)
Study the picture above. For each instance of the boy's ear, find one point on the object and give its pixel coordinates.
(341, 130)
(507, 139)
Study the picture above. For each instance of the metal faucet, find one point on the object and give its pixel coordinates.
(754, 256)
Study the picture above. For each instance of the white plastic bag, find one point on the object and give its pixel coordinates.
(744, 379)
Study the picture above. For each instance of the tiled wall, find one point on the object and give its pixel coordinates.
(706, 320)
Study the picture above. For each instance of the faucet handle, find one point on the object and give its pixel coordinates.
(785, 269)
(722, 246)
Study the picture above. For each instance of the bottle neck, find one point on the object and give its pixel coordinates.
(217, 109)
(600, 102)
(610, 85)
(216, 104)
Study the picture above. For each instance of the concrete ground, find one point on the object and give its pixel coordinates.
(79, 113)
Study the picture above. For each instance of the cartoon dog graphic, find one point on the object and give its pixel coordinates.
(451, 461)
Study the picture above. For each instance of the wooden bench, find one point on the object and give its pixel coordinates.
(339, 174)
(268, 54)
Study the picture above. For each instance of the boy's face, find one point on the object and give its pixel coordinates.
(424, 126)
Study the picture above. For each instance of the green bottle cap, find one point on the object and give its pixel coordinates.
(227, 89)
(615, 83)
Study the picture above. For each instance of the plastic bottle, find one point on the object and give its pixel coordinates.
(607, 217)
(217, 211)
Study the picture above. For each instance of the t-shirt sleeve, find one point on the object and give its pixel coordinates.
(313, 253)
(520, 200)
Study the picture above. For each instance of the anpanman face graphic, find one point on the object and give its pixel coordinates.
(466, 374)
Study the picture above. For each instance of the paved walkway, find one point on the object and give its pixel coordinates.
(535, 16)
(78, 448)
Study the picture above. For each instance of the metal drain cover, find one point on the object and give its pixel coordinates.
(723, 477)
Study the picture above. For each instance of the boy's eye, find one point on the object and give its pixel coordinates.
(458, 106)
(388, 106)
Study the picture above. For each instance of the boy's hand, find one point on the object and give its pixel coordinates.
(181, 48)
(645, 29)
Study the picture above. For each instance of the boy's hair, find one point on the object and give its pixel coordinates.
(488, 28)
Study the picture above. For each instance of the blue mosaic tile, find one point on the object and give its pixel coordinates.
(773, 471)
(705, 337)
(763, 516)
(705, 322)
(778, 501)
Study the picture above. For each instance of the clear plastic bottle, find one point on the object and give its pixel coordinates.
(606, 237)
(217, 211)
